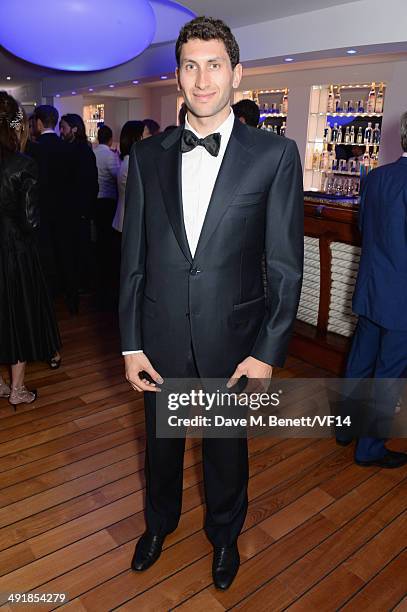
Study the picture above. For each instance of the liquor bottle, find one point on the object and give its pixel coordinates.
(361, 106)
(359, 137)
(379, 100)
(324, 163)
(330, 105)
(338, 103)
(371, 101)
(332, 163)
(334, 133)
(285, 102)
(282, 129)
(275, 129)
(316, 160)
(339, 137)
(352, 134)
(376, 134)
(374, 160)
(367, 139)
(366, 158)
(346, 139)
(350, 106)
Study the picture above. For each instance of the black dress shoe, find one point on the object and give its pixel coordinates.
(344, 441)
(226, 561)
(392, 459)
(148, 549)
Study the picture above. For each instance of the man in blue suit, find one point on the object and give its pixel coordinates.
(379, 347)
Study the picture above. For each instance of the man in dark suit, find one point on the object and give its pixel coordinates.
(379, 346)
(203, 204)
(59, 218)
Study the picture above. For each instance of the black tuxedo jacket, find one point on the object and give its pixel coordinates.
(214, 300)
(55, 175)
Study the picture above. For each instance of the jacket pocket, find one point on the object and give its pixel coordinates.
(149, 308)
(248, 199)
(248, 310)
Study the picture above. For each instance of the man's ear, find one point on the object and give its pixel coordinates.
(237, 75)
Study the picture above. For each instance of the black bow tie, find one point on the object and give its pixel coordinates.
(189, 141)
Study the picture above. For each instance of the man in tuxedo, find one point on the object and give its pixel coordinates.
(379, 346)
(59, 217)
(203, 204)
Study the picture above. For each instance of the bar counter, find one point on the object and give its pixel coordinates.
(325, 322)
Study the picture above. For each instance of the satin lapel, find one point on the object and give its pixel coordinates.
(235, 162)
(169, 172)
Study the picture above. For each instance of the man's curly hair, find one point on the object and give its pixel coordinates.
(207, 28)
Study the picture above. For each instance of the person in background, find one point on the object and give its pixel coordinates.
(151, 128)
(28, 329)
(85, 189)
(247, 111)
(107, 162)
(379, 346)
(58, 234)
(31, 140)
(132, 132)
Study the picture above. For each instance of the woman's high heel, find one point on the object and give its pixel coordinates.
(4, 390)
(21, 395)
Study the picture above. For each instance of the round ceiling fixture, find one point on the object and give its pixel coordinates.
(76, 35)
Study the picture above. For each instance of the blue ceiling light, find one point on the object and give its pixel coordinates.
(170, 17)
(76, 35)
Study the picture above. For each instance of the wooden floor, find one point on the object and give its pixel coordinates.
(321, 533)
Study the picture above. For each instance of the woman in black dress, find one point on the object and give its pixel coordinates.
(28, 329)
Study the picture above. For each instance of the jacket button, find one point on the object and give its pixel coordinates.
(194, 271)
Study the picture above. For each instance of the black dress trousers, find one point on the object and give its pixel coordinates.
(225, 467)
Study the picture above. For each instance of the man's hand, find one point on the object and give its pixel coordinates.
(254, 369)
(136, 363)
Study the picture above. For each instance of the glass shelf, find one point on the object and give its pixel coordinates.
(346, 114)
(271, 115)
(346, 144)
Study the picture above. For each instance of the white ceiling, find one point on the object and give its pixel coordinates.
(238, 13)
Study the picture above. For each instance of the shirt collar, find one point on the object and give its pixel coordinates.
(225, 129)
(404, 154)
(48, 131)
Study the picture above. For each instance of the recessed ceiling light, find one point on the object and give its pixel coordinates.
(135, 82)
(57, 95)
(351, 51)
(8, 78)
(288, 59)
(90, 89)
(111, 86)
(73, 93)
(163, 77)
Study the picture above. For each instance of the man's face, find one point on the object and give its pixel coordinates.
(146, 132)
(66, 131)
(205, 76)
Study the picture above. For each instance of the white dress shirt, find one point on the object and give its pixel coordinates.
(199, 173)
(108, 165)
(121, 189)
